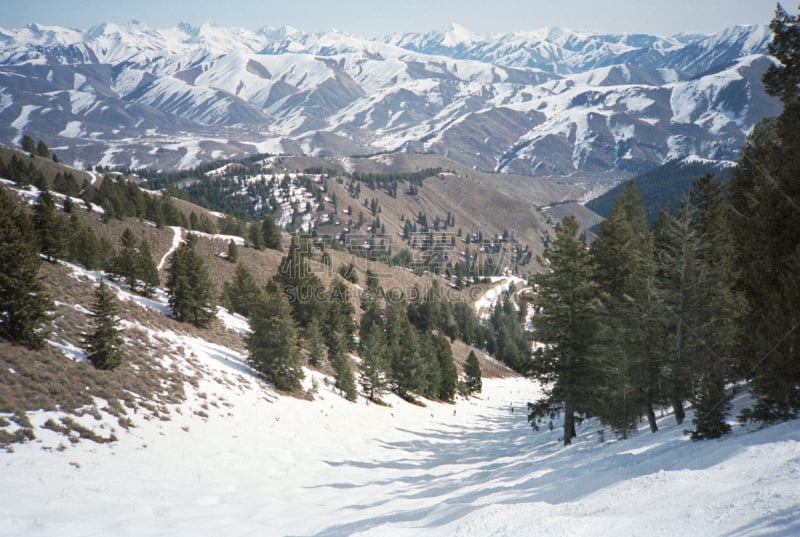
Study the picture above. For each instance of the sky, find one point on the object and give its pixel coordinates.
(370, 18)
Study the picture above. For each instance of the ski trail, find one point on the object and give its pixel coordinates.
(486, 301)
(177, 239)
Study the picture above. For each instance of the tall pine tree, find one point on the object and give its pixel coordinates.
(189, 286)
(566, 308)
(271, 234)
(374, 365)
(50, 226)
(765, 192)
(104, 346)
(24, 305)
(472, 372)
(622, 254)
(272, 344)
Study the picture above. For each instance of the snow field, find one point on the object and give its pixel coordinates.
(238, 459)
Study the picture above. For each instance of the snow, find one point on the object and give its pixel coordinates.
(260, 464)
(177, 239)
(485, 303)
(72, 129)
(24, 117)
(238, 459)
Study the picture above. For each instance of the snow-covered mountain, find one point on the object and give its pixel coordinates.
(546, 102)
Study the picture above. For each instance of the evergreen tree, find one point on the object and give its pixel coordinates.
(678, 279)
(472, 372)
(85, 248)
(66, 183)
(338, 315)
(146, 269)
(782, 79)
(430, 377)
(271, 234)
(241, 293)
(302, 288)
(28, 145)
(622, 255)
(49, 225)
(374, 365)
(766, 197)
(104, 346)
(315, 342)
(255, 236)
(448, 374)
(407, 367)
(124, 265)
(722, 307)
(189, 286)
(233, 252)
(343, 375)
(566, 315)
(42, 150)
(272, 344)
(24, 305)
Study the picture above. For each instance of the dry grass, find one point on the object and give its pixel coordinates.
(48, 380)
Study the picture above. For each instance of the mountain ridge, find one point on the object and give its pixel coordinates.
(551, 102)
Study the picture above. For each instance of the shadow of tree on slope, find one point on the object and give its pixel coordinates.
(443, 475)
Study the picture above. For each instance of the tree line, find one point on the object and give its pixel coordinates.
(682, 312)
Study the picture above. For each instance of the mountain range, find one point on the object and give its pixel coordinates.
(550, 102)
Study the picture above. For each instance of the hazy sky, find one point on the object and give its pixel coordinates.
(370, 18)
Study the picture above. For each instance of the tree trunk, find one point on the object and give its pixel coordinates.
(680, 414)
(569, 421)
(651, 417)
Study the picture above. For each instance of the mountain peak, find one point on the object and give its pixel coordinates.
(454, 35)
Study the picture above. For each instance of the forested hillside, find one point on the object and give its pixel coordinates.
(693, 309)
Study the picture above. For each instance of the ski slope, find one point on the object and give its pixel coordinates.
(237, 459)
(272, 465)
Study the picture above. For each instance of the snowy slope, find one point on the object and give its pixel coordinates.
(237, 459)
(547, 102)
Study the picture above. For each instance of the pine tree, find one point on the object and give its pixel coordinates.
(338, 312)
(315, 342)
(448, 374)
(189, 286)
(233, 252)
(766, 197)
(271, 234)
(49, 225)
(566, 315)
(85, 248)
(343, 375)
(402, 345)
(241, 293)
(782, 79)
(431, 373)
(678, 276)
(374, 365)
(472, 372)
(303, 288)
(722, 307)
(146, 269)
(24, 305)
(272, 344)
(42, 150)
(104, 346)
(623, 257)
(28, 145)
(124, 265)
(255, 236)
